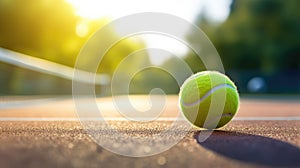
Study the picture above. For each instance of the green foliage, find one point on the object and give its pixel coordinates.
(259, 38)
(151, 78)
(259, 34)
(49, 29)
(42, 28)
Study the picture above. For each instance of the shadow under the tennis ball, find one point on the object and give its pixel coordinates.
(252, 148)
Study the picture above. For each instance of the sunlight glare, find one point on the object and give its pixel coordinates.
(82, 28)
(188, 10)
(171, 45)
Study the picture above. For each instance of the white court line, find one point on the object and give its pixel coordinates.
(159, 119)
(266, 118)
(9, 104)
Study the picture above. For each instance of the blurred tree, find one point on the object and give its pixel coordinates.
(148, 79)
(118, 52)
(49, 29)
(259, 35)
(41, 28)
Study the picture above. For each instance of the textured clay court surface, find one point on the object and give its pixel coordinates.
(45, 132)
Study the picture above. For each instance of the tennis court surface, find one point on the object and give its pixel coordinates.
(45, 132)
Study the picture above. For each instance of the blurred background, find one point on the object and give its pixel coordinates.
(257, 40)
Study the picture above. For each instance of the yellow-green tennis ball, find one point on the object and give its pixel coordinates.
(208, 99)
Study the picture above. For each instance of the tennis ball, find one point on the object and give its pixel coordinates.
(208, 99)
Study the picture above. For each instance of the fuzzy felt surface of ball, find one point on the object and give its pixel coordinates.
(208, 99)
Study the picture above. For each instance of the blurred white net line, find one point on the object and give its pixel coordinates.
(51, 68)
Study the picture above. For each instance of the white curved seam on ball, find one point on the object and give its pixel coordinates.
(207, 94)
